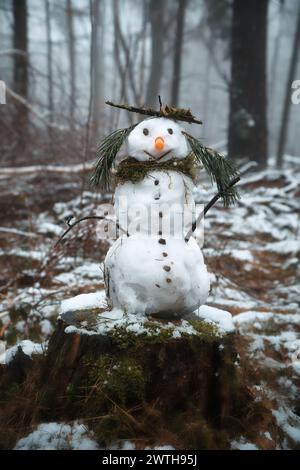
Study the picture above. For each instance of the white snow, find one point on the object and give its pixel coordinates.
(242, 444)
(84, 301)
(252, 316)
(82, 274)
(58, 436)
(221, 318)
(28, 347)
(137, 324)
(147, 277)
(285, 247)
(49, 228)
(116, 318)
(154, 271)
(289, 422)
(139, 143)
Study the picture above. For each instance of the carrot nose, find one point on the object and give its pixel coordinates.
(159, 143)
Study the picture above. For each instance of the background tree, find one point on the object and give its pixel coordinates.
(49, 64)
(178, 45)
(247, 134)
(98, 70)
(72, 59)
(156, 18)
(20, 73)
(287, 102)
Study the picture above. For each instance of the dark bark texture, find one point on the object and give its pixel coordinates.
(248, 98)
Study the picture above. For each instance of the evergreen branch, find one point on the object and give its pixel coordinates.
(106, 154)
(220, 169)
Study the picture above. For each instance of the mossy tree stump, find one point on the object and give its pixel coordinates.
(156, 387)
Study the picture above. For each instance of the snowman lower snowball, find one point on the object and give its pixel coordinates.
(152, 269)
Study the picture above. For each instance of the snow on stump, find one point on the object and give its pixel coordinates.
(147, 381)
(139, 378)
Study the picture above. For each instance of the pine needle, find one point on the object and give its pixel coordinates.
(106, 154)
(220, 169)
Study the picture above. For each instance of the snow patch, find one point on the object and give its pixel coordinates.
(221, 318)
(58, 436)
(242, 444)
(84, 301)
(28, 347)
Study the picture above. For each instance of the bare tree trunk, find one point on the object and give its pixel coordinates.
(273, 81)
(71, 47)
(122, 70)
(143, 56)
(20, 43)
(156, 16)
(287, 102)
(98, 76)
(49, 61)
(49, 74)
(248, 98)
(274, 62)
(182, 4)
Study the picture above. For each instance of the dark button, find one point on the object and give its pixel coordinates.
(167, 268)
(168, 280)
(159, 233)
(156, 182)
(157, 197)
(165, 254)
(160, 214)
(162, 241)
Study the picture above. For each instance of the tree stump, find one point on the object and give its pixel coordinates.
(152, 382)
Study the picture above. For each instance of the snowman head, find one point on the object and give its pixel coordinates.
(160, 139)
(157, 139)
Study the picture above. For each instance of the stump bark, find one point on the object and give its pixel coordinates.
(154, 388)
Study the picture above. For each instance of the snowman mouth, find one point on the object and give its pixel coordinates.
(153, 157)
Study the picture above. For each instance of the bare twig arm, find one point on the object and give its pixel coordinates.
(207, 207)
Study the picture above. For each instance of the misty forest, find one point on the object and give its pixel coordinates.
(74, 374)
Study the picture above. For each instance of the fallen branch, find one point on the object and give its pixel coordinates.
(33, 110)
(80, 167)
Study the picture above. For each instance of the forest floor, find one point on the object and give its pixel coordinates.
(252, 252)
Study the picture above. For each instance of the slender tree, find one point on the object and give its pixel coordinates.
(98, 70)
(177, 59)
(156, 18)
(71, 49)
(287, 102)
(247, 135)
(49, 60)
(20, 41)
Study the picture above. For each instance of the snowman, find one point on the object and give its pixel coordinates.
(152, 269)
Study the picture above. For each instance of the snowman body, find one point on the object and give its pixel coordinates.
(153, 271)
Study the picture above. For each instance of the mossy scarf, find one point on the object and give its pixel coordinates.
(135, 171)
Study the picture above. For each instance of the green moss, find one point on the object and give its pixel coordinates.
(133, 170)
(123, 338)
(208, 332)
(116, 380)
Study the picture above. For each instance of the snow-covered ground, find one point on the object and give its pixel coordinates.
(252, 252)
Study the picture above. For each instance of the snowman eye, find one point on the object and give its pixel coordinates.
(170, 131)
(145, 131)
